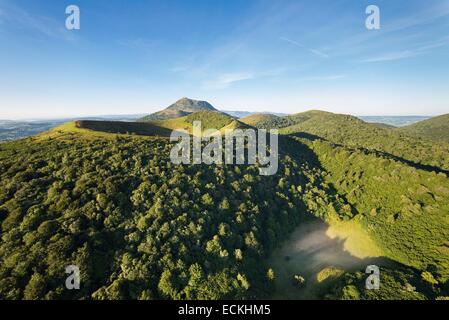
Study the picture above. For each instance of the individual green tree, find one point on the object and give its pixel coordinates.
(244, 283)
(165, 285)
(207, 200)
(224, 204)
(35, 288)
(270, 274)
(238, 254)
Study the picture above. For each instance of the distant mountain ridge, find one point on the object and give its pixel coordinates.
(176, 114)
(180, 108)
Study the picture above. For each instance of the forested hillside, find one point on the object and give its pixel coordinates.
(138, 226)
(436, 128)
(258, 118)
(403, 208)
(106, 197)
(352, 132)
(209, 120)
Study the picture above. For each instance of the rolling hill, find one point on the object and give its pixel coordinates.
(256, 119)
(208, 119)
(353, 132)
(436, 128)
(161, 128)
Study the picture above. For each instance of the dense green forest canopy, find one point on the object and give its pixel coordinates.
(140, 227)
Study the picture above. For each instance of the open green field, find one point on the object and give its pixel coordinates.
(321, 253)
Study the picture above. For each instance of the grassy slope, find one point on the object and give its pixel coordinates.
(209, 120)
(68, 131)
(104, 129)
(163, 115)
(357, 241)
(315, 251)
(436, 128)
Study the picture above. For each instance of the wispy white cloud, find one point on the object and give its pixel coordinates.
(223, 81)
(244, 45)
(137, 43)
(404, 54)
(391, 56)
(434, 44)
(426, 16)
(19, 18)
(311, 50)
(404, 29)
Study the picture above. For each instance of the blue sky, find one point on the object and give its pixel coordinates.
(282, 56)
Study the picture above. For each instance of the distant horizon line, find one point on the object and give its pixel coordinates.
(72, 117)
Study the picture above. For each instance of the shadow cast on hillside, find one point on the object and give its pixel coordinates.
(300, 151)
(309, 249)
(309, 252)
(382, 154)
(120, 127)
